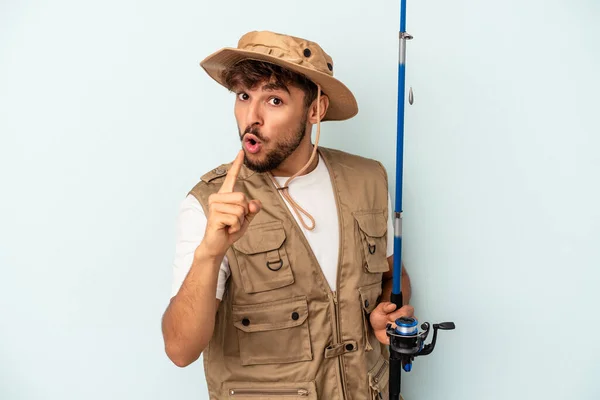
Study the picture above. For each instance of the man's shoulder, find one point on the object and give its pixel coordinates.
(214, 178)
(355, 160)
(217, 175)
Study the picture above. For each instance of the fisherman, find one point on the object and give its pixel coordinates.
(283, 264)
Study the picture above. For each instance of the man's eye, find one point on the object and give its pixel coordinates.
(243, 96)
(276, 101)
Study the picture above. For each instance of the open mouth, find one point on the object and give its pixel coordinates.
(251, 143)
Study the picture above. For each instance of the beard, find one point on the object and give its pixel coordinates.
(283, 148)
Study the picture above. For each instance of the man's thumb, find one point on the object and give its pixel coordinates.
(254, 206)
(388, 308)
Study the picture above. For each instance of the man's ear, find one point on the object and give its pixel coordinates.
(312, 115)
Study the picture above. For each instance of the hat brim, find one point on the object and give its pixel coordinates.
(342, 103)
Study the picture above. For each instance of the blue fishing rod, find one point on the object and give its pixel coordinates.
(406, 342)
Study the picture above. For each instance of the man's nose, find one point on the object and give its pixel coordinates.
(254, 115)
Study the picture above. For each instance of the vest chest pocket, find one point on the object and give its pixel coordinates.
(372, 228)
(274, 332)
(262, 259)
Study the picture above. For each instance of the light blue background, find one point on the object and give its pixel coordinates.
(106, 120)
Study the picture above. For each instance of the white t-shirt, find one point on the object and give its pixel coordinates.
(313, 192)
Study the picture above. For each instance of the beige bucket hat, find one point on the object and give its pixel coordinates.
(296, 54)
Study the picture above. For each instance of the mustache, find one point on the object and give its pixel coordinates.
(255, 132)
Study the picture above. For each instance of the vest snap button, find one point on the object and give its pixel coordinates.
(307, 53)
(219, 171)
(366, 303)
(245, 322)
(349, 347)
(295, 316)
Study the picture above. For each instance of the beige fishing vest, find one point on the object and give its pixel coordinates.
(280, 332)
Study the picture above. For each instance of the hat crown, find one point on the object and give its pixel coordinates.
(288, 48)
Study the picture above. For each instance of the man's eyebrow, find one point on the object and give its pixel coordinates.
(270, 87)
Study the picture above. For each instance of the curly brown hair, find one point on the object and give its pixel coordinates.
(250, 73)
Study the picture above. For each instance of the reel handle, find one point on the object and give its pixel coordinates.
(428, 348)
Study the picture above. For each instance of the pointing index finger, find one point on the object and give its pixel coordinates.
(232, 174)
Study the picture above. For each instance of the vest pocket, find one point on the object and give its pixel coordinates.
(274, 332)
(372, 227)
(379, 378)
(270, 390)
(369, 296)
(262, 259)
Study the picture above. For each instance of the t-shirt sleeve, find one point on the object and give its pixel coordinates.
(190, 227)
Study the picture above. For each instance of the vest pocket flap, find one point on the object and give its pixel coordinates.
(261, 238)
(271, 316)
(369, 296)
(373, 223)
(372, 229)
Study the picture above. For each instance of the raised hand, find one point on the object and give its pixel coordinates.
(229, 213)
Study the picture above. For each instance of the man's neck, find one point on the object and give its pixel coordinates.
(296, 161)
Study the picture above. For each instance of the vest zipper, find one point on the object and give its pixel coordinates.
(376, 378)
(379, 373)
(337, 277)
(339, 340)
(269, 392)
(332, 294)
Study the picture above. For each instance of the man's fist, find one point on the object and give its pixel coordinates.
(386, 313)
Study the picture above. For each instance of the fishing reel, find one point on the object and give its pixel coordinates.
(406, 343)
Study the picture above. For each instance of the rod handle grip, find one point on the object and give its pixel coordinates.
(396, 298)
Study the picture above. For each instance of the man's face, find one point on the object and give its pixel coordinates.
(271, 122)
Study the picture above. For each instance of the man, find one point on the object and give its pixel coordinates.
(294, 241)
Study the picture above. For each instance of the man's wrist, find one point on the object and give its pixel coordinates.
(204, 254)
